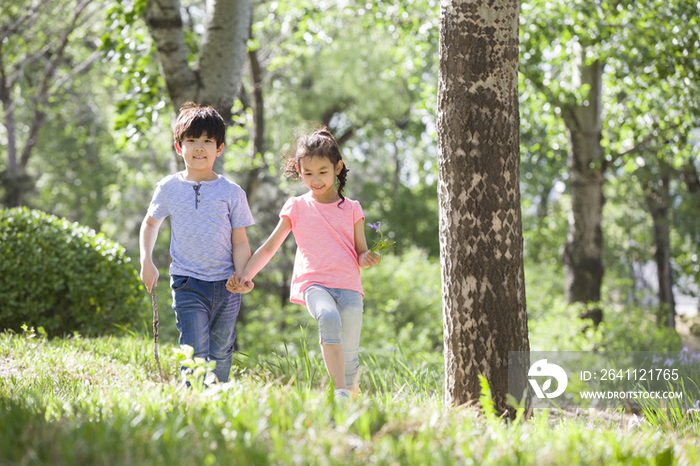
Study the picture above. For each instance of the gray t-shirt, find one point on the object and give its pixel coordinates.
(202, 217)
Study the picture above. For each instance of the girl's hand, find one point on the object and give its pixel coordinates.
(368, 259)
(239, 285)
(246, 287)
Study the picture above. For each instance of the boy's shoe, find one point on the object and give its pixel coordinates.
(342, 394)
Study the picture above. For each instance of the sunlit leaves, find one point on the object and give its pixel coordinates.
(130, 49)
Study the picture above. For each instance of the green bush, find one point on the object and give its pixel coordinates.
(403, 303)
(64, 277)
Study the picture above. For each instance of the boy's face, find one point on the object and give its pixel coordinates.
(199, 153)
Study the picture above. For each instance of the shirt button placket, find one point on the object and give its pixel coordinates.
(197, 198)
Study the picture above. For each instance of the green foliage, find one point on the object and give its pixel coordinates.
(64, 277)
(486, 400)
(198, 373)
(681, 414)
(409, 215)
(403, 303)
(368, 71)
(649, 111)
(94, 401)
(562, 330)
(127, 44)
(554, 325)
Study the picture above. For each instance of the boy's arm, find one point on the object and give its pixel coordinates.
(147, 239)
(265, 252)
(365, 257)
(241, 248)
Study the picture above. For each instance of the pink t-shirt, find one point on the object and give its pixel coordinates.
(325, 236)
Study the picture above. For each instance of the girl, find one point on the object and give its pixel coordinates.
(331, 248)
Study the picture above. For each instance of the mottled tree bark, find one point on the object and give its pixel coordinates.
(215, 78)
(481, 244)
(583, 254)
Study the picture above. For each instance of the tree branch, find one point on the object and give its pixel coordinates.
(50, 68)
(16, 26)
(42, 92)
(165, 26)
(539, 84)
(642, 144)
(75, 71)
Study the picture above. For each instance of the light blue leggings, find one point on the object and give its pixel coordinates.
(339, 316)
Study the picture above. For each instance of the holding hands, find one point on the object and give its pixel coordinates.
(236, 284)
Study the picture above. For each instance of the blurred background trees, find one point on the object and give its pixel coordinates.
(608, 101)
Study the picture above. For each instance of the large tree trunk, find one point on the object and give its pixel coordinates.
(583, 258)
(658, 199)
(216, 75)
(481, 244)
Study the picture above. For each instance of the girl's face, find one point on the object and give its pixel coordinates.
(318, 174)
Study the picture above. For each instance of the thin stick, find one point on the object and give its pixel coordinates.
(155, 333)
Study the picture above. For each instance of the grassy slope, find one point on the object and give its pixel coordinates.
(96, 401)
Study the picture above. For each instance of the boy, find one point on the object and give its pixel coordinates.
(208, 215)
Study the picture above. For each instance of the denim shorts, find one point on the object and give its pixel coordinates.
(339, 316)
(206, 315)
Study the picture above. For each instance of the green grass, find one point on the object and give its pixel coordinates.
(99, 401)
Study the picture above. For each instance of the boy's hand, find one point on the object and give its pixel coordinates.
(149, 275)
(239, 285)
(368, 259)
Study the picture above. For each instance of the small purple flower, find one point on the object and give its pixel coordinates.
(376, 226)
(382, 244)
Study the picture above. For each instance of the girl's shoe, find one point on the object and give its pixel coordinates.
(342, 394)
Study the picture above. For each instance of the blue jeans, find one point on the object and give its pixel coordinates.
(339, 316)
(206, 318)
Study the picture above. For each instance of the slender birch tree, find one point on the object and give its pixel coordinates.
(215, 77)
(481, 245)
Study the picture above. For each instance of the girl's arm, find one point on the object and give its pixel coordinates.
(265, 252)
(365, 257)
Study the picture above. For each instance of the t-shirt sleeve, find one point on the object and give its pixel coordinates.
(158, 208)
(240, 213)
(289, 211)
(357, 213)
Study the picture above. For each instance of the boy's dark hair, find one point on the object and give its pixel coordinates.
(318, 143)
(194, 120)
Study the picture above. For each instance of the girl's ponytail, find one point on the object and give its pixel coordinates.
(342, 176)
